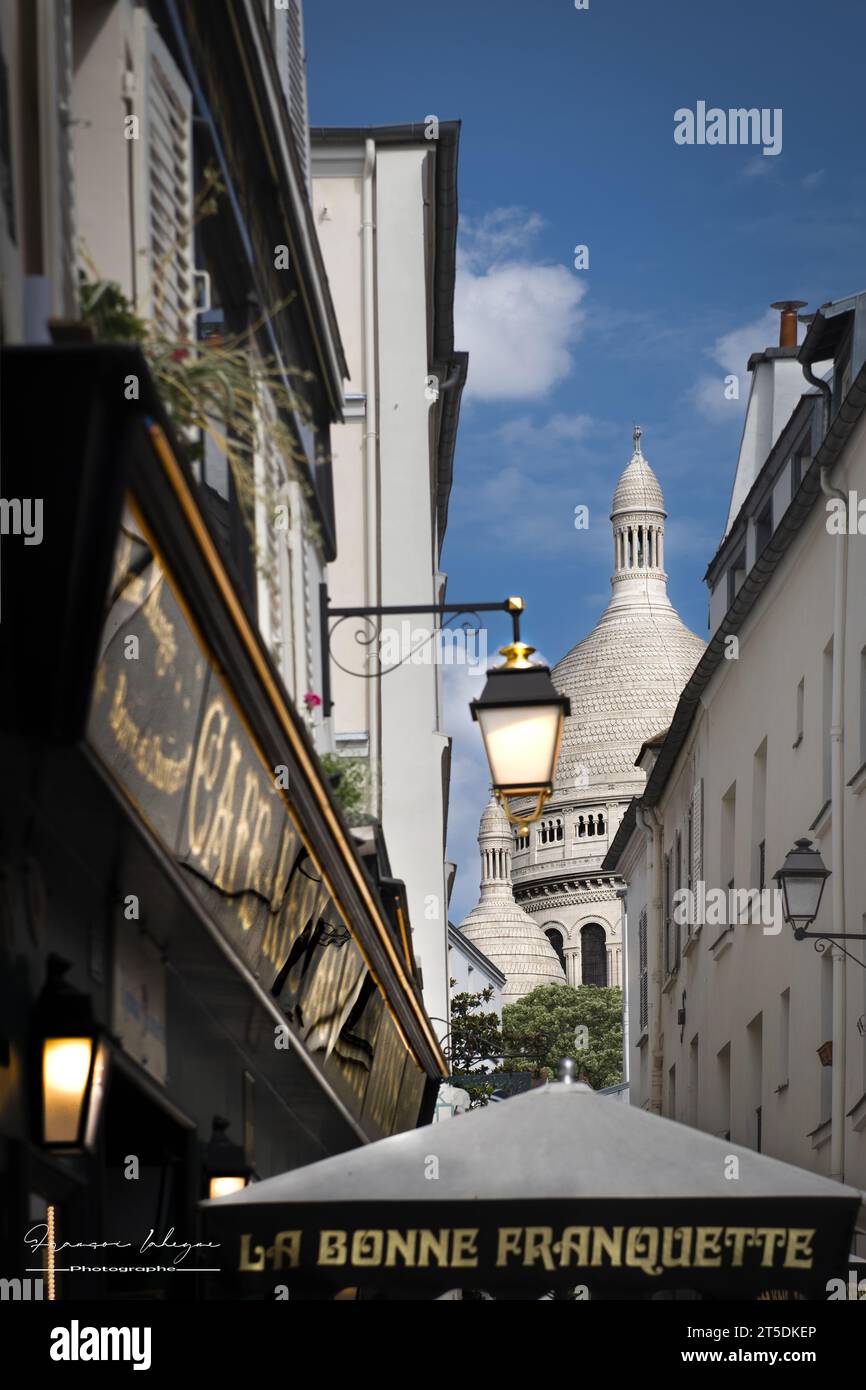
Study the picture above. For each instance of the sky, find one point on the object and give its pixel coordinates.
(567, 140)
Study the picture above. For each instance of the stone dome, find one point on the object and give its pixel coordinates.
(623, 681)
(497, 926)
(625, 678)
(638, 489)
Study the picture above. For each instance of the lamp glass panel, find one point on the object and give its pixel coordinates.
(520, 743)
(222, 1187)
(802, 896)
(65, 1069)
(97, 1095)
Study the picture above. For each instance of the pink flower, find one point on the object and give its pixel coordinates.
(311, 700)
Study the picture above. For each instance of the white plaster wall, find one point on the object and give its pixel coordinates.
(748, 700)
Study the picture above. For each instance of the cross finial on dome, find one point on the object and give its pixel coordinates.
(637, 434)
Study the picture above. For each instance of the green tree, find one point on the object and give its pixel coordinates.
(541, 1028)
(475, 1044)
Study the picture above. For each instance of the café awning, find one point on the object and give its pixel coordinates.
(555, 1188)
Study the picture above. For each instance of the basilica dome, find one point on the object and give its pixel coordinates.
(625, 678)
(497, 926)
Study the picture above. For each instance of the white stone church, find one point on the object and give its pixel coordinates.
(623, 681)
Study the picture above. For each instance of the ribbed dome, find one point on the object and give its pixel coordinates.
(623, 681)
(638, 489)
(497, 926)
(517, 947)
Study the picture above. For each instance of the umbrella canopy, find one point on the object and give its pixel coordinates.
(556, 1188)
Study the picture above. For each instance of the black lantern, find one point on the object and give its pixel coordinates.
(73, 1053)
(225, 1163)
(801, 879)
(521, 715)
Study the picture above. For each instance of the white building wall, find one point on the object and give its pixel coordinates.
(734, 981)
(406, 754)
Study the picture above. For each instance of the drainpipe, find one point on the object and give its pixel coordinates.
(826, 393)
(649, 819)
(837, 804)
(622, 894)
(371, 443)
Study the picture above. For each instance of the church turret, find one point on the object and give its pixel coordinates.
(503, 931)
(638, 520)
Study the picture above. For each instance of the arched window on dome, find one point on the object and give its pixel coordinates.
(521, 841)
(600, 823)
(590, 829)
(558, 830)
(593, 955)
(554, 936)
(581, 826)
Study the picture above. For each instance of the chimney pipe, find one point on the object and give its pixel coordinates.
(788, 321)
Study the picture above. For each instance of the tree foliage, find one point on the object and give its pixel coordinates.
(539, 1030)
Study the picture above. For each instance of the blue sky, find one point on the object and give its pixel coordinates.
(567, 139)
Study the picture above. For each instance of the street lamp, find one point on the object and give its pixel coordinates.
(225, 1163)
(521, 716)
(73, 1056)
(801, 879)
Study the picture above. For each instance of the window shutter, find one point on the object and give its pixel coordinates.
(643, 972)
(292, 65)
(163, 188)
(698, 833)
(667, 890)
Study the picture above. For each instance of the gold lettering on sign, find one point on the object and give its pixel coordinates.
(367, 1247)
(642, 1248)
(684, 1258)
(799, 1253)
(332, 1247)
(738, 1237)
(208, 758)
(162, 629)
(771, 1236)
(251, 1262)
(607, 1243)
(217, 846)
(287, 1243)
(708, 1247)
(145, 750)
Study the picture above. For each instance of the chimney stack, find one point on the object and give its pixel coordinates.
(788, 321)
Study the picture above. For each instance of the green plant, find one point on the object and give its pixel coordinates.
(350, 784)
(222, 387)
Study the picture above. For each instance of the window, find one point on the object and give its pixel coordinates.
(693, 1082)
(521, 841)
(642, 969)
(593, 955)
(728, 836)
(759, 799)
(677, 884)
(798, 716)
(554, 936)
(672, 1092)
(762, 866)
(736, 575)
(763, 527)
(600, 824)
(826, 719)
(581, 827)
(784, 1036)
(753, 1079)
(590, 827)
(723, 1058)
(550, 831)
(863, 706)
(669, 955)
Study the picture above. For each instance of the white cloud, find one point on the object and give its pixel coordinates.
(517, 317)
(731, 352)
(812, 180)
(759, 167)
(560, 428)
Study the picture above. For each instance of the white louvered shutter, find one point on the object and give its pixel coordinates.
(292, 65)
(163, 188)
(697, 833)
(643, 969)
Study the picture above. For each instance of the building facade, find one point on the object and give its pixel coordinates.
(736, 1027)
(623, 681)
(179, 887)
(385, 206)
